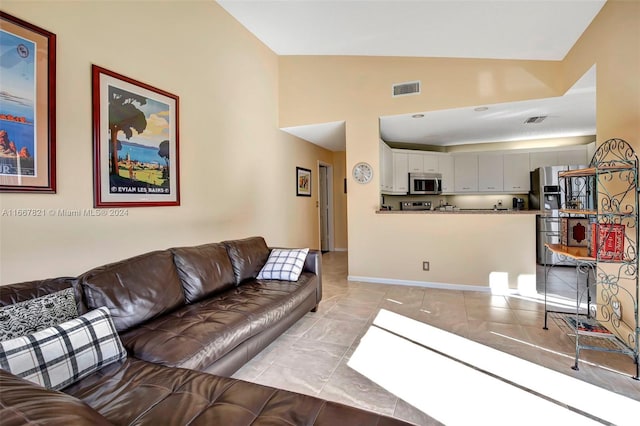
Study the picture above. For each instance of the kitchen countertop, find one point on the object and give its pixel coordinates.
(461, 211)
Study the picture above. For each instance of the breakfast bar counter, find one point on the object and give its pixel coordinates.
(465, 211)
(475, 249)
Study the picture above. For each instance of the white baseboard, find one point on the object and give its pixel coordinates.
(340, 249)
(426, 284)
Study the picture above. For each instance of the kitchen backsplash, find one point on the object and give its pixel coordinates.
(462, 201)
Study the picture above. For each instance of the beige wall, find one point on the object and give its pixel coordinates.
(612, 42)
(236, 167)
(357, 90)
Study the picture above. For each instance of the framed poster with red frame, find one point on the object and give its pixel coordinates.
(135, 143)
(27, 107)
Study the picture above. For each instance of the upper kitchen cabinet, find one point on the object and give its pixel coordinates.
(422, 162)
(516, 173)
(573, 157)
(400, 173)
(465, 173)
(445, 166)
(430, 163)
(542, 159)
(416, 162)
(490, 172)
(386, 169)
(559, 157)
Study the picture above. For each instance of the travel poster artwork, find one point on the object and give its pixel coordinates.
(27, 106)
(137, 143)
(17, 105)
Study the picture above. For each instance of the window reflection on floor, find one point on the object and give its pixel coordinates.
(458, 381)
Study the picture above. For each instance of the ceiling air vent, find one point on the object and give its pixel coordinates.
(408, 88)
(535, 120)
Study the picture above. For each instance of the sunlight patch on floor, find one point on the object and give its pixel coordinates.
(458, 381)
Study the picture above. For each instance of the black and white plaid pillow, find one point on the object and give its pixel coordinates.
(36, 314)
(60, 355)
(284, 264)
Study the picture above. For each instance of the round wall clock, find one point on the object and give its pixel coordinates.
(362, 172)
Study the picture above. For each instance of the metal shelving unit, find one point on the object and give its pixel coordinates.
(603, 196)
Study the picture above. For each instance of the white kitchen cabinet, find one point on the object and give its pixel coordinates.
(542, 159)
(430, 163)
(386, 168)
(465, 173)
(559, 157)
(422, 162)
(400, 173)
(416, 162)
(445, 166)
(591, 149)
(490, 172)
(572, 157)
(516, 173)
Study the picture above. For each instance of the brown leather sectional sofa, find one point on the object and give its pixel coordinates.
(181, 313)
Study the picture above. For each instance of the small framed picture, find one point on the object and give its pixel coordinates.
(135, 143)
(27, 107)
(303, 182)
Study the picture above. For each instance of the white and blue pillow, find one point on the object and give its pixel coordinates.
(284, 264)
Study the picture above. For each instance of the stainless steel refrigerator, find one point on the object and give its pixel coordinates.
(546, 195)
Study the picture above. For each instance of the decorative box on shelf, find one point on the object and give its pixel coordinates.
(574, 231)
(607, 241)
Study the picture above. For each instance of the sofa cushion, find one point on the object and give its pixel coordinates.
(201, 333)
(137, 392)
(284, 264)
(23, 402)
(32, 315)
(60, 355)
(136, 289)
(203, 270)
(19, 292)
(247, 257)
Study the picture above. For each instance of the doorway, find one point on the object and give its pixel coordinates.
(325, 206)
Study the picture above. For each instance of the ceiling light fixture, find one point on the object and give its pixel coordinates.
(417, 116)
(479, 109)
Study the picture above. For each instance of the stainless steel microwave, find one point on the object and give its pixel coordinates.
(425, 183)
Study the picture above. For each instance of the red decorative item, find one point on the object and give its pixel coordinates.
(607, 241)
(573, 232)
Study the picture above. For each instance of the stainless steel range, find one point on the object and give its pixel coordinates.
(415, 205)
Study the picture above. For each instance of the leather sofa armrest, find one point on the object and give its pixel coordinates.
(23, 402)
(313, 264)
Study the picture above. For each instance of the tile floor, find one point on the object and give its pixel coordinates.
(311, 357)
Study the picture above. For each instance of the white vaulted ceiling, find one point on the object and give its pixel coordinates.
(492, 29)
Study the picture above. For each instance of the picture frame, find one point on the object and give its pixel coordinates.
(27, 107)
(135, 128)
(303, 182)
